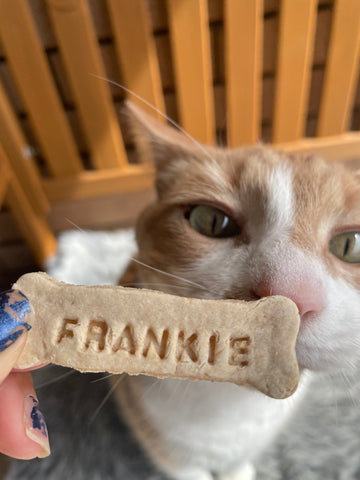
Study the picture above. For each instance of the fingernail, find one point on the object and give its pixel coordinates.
(35, 425)
(14, 313)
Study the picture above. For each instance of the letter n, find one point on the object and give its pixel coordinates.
(160, 346)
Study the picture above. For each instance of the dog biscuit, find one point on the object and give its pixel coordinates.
(138, 331)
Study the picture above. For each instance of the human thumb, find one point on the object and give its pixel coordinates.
(14, 313)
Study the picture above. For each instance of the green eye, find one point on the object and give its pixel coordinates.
(212, 222)
(346, 247)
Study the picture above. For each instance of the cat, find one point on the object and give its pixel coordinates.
(242, 224)
(226, 224)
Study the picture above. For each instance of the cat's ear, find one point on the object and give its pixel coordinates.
(159, 142)
(154, 137)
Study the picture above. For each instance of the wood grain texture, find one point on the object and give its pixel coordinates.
(101, 182)
(335, 147)
(33, 226)
(243, 54)
(136, 53)
(190, 45)
(342, 69)
(33, 79)
(14, 143)
(80, 52)
(295, 55)
(5, 176)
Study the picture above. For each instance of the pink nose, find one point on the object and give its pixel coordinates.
(307, 296)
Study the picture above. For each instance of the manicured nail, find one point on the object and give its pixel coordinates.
(35, 425)
(14, 313)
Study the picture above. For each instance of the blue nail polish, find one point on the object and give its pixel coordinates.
(14, 311)
(37, 418)
(35, 426)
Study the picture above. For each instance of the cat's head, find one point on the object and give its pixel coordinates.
(252, 222)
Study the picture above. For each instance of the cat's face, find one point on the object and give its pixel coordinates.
(249, 223)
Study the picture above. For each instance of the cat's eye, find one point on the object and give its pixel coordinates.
(346, 247)
(212, 222)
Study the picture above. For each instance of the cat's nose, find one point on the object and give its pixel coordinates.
(308, 296)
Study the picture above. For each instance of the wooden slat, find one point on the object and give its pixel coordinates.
(337, 147)
(295, 54)
(14, 143)
(81, 56)
(33, 226)
(35, 84)
(243, 55)
(104, 212)
(342, 69)
(190, 44)
(101, 182)
(136, 52)
(4, 180)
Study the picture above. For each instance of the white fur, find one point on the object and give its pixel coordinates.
(202, 426)
(279, 208)
(332, 339)
(92, 258)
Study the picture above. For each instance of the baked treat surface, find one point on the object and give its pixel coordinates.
(138, 331)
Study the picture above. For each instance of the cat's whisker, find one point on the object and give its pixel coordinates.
(185, 391)
(74, 225)
(349, 384)
(105, 377)
(182, 279)
(148, 389)
(151, 284)
(336, 405)
(55, 380)
(106, 398)
(150, 105)
(190, 282)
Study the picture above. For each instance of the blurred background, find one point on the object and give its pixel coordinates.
(230, 71)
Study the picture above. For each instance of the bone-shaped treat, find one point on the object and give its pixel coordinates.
(116, 329)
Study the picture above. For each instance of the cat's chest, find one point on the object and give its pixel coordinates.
(214, 422)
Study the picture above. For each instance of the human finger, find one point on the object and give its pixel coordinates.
(23, 432)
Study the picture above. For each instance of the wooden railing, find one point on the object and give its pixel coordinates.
(41, 159)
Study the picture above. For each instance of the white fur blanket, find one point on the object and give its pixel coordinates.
(92, 258)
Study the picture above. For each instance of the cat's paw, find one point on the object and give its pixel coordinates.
(245, 472)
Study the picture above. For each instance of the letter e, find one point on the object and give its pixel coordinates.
(239, 351)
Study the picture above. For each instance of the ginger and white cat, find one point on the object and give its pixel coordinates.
(243, 224)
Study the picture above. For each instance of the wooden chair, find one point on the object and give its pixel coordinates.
(179, 75)
(28, 211)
